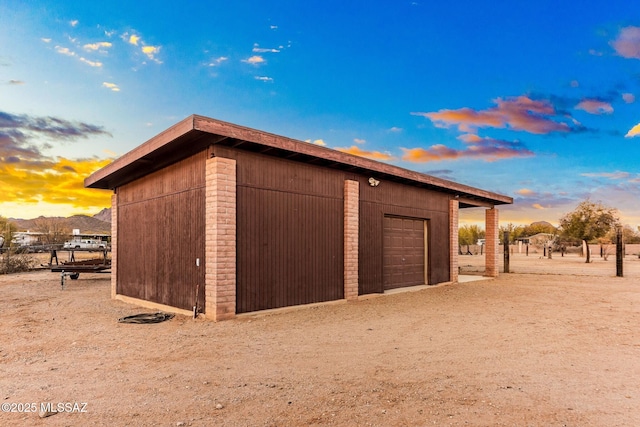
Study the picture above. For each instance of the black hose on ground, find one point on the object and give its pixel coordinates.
(146, 318)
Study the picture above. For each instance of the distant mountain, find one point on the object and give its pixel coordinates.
(86, 224)
(104, 215)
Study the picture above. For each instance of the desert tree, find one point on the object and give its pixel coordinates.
(539, 227)
(629, 235)
(7, 228)
(54, 230)
(589, 221)
(469, 234)
(515, 231)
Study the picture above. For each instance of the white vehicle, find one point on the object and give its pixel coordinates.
(85, 244)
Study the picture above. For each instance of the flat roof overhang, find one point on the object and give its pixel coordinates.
(196, 133)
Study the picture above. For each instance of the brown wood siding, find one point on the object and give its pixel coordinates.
(290, 232)
(393, 199)
(289, 249)
(266, 172)
(161, 234)
(403, 252)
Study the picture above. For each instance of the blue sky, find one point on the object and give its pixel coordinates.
(537, 101)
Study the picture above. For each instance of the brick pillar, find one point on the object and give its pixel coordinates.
(351, 229)
(220, 240)
(453, 240)
(492, 243)
(114, 245)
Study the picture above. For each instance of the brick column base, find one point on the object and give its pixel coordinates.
(453, 240)
(351, 230)
(492, 243)
(220, 239)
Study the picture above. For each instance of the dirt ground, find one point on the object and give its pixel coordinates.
(522, 350)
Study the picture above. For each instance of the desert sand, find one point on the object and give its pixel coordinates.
(556, 343)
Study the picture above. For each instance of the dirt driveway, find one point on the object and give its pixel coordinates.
(522, 350)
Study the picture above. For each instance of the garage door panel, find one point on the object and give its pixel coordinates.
(403, 252)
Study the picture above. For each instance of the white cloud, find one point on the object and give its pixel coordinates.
(258, 49)
(151, 52)
(65, 51)
(218, 61)
(609, 175)
(629, 98)
(46, 39)
(395, 129)
(68, 52)
(91, 63)
(112, 86)
(97, 46)
(264, 78)
(255, 60)
(73, 23)
(359, 140)
(316, 142)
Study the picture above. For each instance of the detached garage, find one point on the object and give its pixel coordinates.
(231, 220)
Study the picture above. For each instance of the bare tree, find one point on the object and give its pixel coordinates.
(54, 230)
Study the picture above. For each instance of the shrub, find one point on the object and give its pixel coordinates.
(16, 263)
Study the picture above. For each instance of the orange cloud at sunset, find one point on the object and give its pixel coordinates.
(595, 106)
(357, 151)
(525, 192)
(434, 153)
(255, 60)
(30, 178)
(627, 44)
(519, 113)
(488, 149)
(634, 131)
(59, 182)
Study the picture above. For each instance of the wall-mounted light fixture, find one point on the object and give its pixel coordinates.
(373, 182)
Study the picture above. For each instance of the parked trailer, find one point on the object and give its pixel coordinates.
(73, 268)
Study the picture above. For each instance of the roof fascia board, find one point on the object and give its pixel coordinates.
(263, 138)
(225, 129)
(146, 148)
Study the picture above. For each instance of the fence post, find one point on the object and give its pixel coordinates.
(506, 252)
(619, 252)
